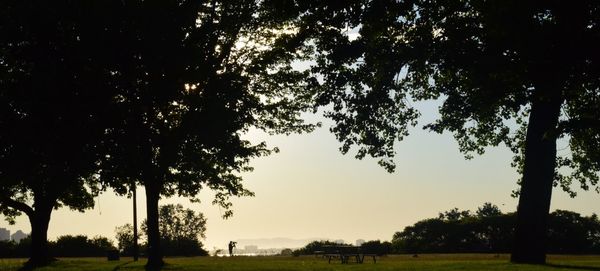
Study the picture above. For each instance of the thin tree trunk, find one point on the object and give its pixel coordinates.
(155, 260)
(39, 220)
(538, 175)
(135, 232)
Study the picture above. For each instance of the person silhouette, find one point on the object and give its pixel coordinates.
(231, 247)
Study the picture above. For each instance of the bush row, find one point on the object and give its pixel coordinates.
(64, 246)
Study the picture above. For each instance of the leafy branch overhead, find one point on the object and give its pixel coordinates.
(376, 58)
(523, 74)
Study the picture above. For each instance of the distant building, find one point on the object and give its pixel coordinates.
(4, 234)
(359, 242)
(17, 236)
(339, 241)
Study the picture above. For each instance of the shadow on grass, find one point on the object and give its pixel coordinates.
(118, 267)
(575, 267)
(30, 265)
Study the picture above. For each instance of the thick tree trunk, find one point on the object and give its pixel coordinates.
(155, 260)
(40, 219)
(538, 174)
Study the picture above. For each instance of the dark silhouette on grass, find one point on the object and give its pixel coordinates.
(532, 63)
(231, 246)
(118, 267)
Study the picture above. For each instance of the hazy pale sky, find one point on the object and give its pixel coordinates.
(310, 190)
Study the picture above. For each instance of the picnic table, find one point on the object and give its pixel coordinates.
(345, 253)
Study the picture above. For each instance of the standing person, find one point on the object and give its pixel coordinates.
(231, 247)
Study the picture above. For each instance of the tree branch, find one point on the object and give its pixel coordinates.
(578, 124)
(16, 205)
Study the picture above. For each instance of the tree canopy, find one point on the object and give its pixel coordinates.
(523, 74)
(191, 79)
(158, 93)
(53, 108)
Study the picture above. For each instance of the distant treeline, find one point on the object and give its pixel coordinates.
(180, 232)
(64, 246)
(82, 246)
(489, 230)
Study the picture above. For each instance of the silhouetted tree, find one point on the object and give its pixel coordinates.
(124, 236)
(180, 231)
(193, 77)
(488, 210)
(568, 233)
(571, 233)
(492, 63)
(52, 108)
(454, 215)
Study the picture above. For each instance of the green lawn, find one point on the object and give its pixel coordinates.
(402, 262)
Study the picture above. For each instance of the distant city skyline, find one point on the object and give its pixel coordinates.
(4, 234)
(17, 236)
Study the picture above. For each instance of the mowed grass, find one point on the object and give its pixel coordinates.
(395, 262)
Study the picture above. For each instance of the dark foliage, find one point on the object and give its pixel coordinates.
(80, 246)
(376, 247)
(569, 233)
(125, 241)
(370, 247)
(53, 108)
(182, 247)
(311, 247)
(12, 249)
(180, 232)
(192, 77)
(159, 93)
(492, 64)
(64, 246)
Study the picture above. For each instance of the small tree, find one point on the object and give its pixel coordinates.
(488, 210)
(124, 236)
(181, 230)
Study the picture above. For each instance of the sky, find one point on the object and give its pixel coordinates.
(310, 190)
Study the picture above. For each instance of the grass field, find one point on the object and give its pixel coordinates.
(400, 262)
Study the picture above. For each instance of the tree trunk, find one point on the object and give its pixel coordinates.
(39, 221)
(136, 249)
(154, 253)
(538, 175)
